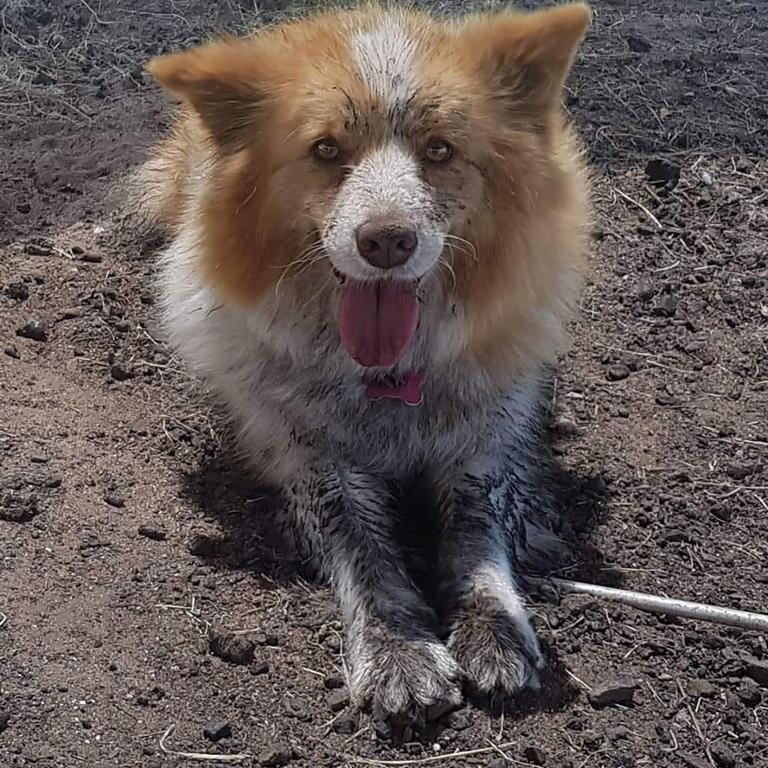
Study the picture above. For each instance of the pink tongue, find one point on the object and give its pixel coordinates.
(377, 320)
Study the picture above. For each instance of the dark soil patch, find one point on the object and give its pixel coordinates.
(124, 541)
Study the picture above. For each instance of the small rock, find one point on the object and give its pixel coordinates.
(275, 755)
(638, 44)
(39, 458)
(618, 732)
(346, 724)
(259, 668)
(17, 291)
(52, 481)
(201, 545)
(617, 372)
(566, 427)
(11, 351)
(703, 689)
(749, 693)
(34, 329)
(645, 290)
(91, 258)
(692, 761)
(156, 534)
(757, 669)
(38, 249)
(621, 690)
(662, 173)
(235, 649)
(723, 755)
(333, 681)
(217, 730)
(338, 699)
(535, 755)
(114, 500)
(665, 306)
(121, 372)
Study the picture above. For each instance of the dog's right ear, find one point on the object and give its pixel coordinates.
(222, 82)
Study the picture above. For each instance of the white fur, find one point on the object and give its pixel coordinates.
(385, 186)
(384, 56)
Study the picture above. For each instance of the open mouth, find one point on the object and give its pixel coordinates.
(377, 320)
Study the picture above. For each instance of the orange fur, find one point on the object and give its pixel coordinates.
(254, 106)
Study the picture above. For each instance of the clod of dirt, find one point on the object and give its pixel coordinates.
(749, 693)
(346, 724)
(217, 730)
(337, 700)
(11, 351)
(692, 760)
(17, 291)
(333, 681)
(723, 755)
(91, 258)
(19, 507)
(156, 534)
(703, 689)
(234, 649)
(618, 732)
(535, 755)
(620, 690)
(201, 545)
(114, 500)
(259, 668)
(121, 372)
(617, 372)
(757, 669)
(638, 44)
(275, 755)
(33, 329)
(39, 458)
(666, 306)
(663, 173)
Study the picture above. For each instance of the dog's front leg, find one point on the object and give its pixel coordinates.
(493, 516)
(397, 664)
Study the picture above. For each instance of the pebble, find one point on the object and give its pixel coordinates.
(156, 534)
(235, 649)
(259, 668)
(665, 306)
(620, 690)
(11, 351)
(275, 755)
(337, 699)
(91, 258)
(723, 755)
(202, 545)
(217, 730)
(618, 732)
(33, 329)
(39, 458)
(749, 693)
(757, 669)
(703, 689)
(346, 724)
(618, 372)
(332, 682)
(535, 755)
(121, 372)
(17, 291)
(114, 500)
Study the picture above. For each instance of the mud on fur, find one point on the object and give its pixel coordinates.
(377, 201)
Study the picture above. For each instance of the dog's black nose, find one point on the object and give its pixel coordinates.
(386, 247)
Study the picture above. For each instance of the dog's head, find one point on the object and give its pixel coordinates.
(382, 145)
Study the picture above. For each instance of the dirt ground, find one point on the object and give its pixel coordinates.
(129, 537)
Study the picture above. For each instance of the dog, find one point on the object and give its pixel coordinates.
(377, 232)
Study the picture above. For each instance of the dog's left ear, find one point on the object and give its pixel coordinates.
(528, 56)
(223, 82)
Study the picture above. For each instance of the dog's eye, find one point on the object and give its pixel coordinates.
(438, 151)
(326, 150)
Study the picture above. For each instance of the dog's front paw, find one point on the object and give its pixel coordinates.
(496, 648)
(403, 681)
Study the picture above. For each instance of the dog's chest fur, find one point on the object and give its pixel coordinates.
(294, 392)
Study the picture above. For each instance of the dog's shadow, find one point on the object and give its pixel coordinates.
(245, 514)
